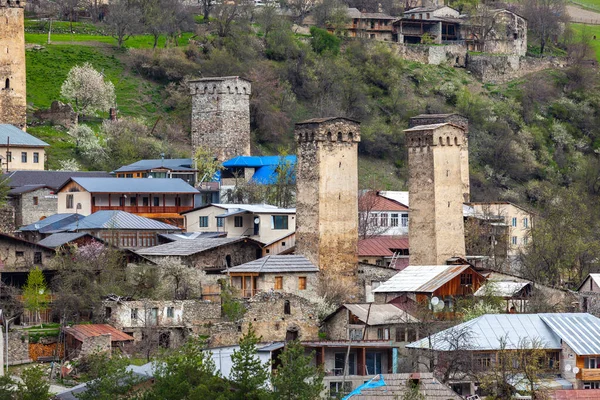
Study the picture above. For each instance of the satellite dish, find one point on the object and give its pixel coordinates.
(438, 307)
(256, 220)
(575, 370)
(435, 301)
(567, 367)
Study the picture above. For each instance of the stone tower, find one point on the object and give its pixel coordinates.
(436, 169)
(327, 195)
(13, 101)
(221, 116)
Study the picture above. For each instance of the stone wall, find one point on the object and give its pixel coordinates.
(18, 256)
(454, 55)
(58, 114)
(221, 116)
(18, 347)
(367, 274)
(32, 206)
(568, 357)
(499, 68)
(96, 344)
(7, 219)
(13, 105)
(327, 195)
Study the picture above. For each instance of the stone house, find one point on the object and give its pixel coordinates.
(589, 294)
(371, 276)
(158, 198)
(173, 320)
(280, 273)
(441, 24)
(83, 340)
(19, 255)
(496, 31)
(261, 222)
(33, 193)
(377, 26)
(20, 150)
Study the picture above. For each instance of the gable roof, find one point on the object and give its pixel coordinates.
(377, 314)
(176, 164)
(374, 201)
(60, 239)
(421, 278)
(18, 137)
(52, 223)
(594, 277)
(381, 246)
(501, 288)
(133, 185)
(326, 119)
(52, 179)
(396, 386)
(581, 331)
(4, 236)
(82, 332)
(26, 189)
(190, 247)
(116, 219)
(395, 195)
(432, 127)
(277, 263)
(191, 235)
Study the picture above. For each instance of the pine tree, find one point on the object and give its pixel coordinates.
(296, 378)
(248, 373)
(34, 292)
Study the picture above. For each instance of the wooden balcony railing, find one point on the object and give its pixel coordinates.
(145, 209)
(590, 374)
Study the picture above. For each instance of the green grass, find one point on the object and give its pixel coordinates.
(42, 26)
(137, 42)
(589, 30)
(377, 173)
(591, 4)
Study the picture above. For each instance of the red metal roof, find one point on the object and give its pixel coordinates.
(381, 246)
(582, 394)
(373, 201)
(82, 332)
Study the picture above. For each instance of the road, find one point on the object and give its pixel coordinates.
(582, 15)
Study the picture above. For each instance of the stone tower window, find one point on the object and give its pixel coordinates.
(339, 138)
(7, 84)
(286, 307)
(350, 136)
(329, 136)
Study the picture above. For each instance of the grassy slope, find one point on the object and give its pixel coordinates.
(591, 30)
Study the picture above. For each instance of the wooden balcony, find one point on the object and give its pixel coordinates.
(590, 374)
(145, 209)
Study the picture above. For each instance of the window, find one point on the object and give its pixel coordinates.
(525, 223)
(514, 240)
(9, 156)
(340, 362)
(514, 222)
(7, 81)
(203, 223)
(238, 222)
(128, 175)
(24, 157)
(427, 15)
(466, 279)
(483, 360)
(278, 283)
(108, 312)
(133, 201)
(170, 312)
(35, 200)
(383, 219)
(219, 222)
(394, 220)
(373, 363)
(591, 362)
(379, 333)
(37, 257)
(36, 158)
(156, 202)
(386, 334)
(69, 201)
(134, 314)
(525, 241)
(301, 283)
(373, 219)
(19, 254)
(404, 220)
(591, 385)
(280, 221)
(287, 309)
(355, 334)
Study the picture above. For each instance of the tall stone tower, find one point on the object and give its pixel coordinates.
(327, 195)
(436, 169)
(221, 116)
(13, 101)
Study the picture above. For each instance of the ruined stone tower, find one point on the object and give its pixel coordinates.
(437, 165)
(327, 195)
(13, 102)
(221, 116)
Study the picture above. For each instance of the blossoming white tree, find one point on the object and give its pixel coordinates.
(87, 91)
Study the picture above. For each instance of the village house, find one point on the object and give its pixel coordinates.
(19, 256)
(262, 222)
(377, 26)
(267, 353)
(571, 355)
(384, 251)
(84, 340)
(288, 274)
(589, 294)
(516, 293)
(440, 24)
(398, 386)
(32, 194)
(171, 168)
(20, 150)
(380, 215)
(157, 198)
(38, 230)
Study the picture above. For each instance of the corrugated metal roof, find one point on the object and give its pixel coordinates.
(381, 246)
(135, 185)
(376, 201)
(487, 332)
(192, 235)
(59, 239)
(121, 220)
(82, 332)
(18, 137)
(420, 278)
(253, 208)
(52, 223)
(179, 164)
(380, 314)
(396, 386)
(277, 263)
(271, 347)
(581, 331)
(501, 288)
(399, 196)
(188, 247)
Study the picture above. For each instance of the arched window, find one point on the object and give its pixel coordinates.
(339, 138)
(329, 136)
(350, 135)
(7, 84)
(287, 308)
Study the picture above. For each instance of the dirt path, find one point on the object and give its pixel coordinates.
(582, 15)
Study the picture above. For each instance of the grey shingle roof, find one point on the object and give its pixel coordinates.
(396, 387)
(119, 220)
(53, 179)
(135, 185)
(59, 239)
(278, 263)
(180, 164)
(18, 137)
(25, 189)
(188, 247)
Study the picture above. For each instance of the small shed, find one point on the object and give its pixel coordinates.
(82, 340)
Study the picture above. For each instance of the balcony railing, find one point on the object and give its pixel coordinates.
(145, 209)
(590, 374)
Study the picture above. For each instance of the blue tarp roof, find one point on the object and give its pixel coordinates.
(257, 161)
(376, 382)
(18, 137)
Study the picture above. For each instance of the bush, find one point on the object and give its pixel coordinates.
(323, 41)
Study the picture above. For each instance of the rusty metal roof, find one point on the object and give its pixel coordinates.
(82, 332)
(381, 246)
(421, 278)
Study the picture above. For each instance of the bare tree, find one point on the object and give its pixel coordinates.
(207, 6)
(227, 13)
(123, 20)
(546, 19)
(369, 220)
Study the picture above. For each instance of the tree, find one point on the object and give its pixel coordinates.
(88, 145)
(207, 6)
(206, 163)
(34, 386)
(231, 306)
(226, 14)
(87, 91)
(323, 41)
(108, 378)
(34, 292)
(248, 373)
(331, 14)
(4, 189)
(122, 20)
(368, 217)
(545, 19)
(296, 378)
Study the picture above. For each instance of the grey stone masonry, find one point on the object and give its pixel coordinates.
(221, 116)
